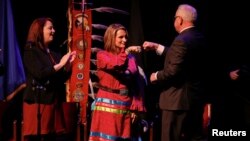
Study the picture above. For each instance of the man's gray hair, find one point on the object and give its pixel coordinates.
(187, 12)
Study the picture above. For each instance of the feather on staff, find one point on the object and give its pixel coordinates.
(93, 61)
(99, 26)
(92, 94)
(94, 72)
(97, 37)
(95, 49)
(110, 10)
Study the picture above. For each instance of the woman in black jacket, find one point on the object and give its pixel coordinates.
(46, 73)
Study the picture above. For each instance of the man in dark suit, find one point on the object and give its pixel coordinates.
(181, 100)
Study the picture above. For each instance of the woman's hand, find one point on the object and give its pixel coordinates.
(71, 58)
(133, 49)
(150, 45)
(234, 74)
(66, 61)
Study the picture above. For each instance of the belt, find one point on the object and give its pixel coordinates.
(116, 91)
(37, 85)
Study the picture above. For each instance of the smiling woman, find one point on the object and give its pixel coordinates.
(46, 74)
(115, 104)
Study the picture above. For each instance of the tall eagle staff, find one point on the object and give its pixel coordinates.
(79, 39)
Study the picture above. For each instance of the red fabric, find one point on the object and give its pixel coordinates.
(108, 61)
(206, 118)
(81, 43)
(112, 124)
(138, 104)
(49, 114)
(70, 114)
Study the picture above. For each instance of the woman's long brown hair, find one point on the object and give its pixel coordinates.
(109, 37)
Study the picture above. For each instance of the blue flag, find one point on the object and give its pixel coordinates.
(12, 75)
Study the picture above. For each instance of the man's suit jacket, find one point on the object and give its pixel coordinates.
(184, 71)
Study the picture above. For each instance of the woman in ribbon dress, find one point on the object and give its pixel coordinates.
(117, 99)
